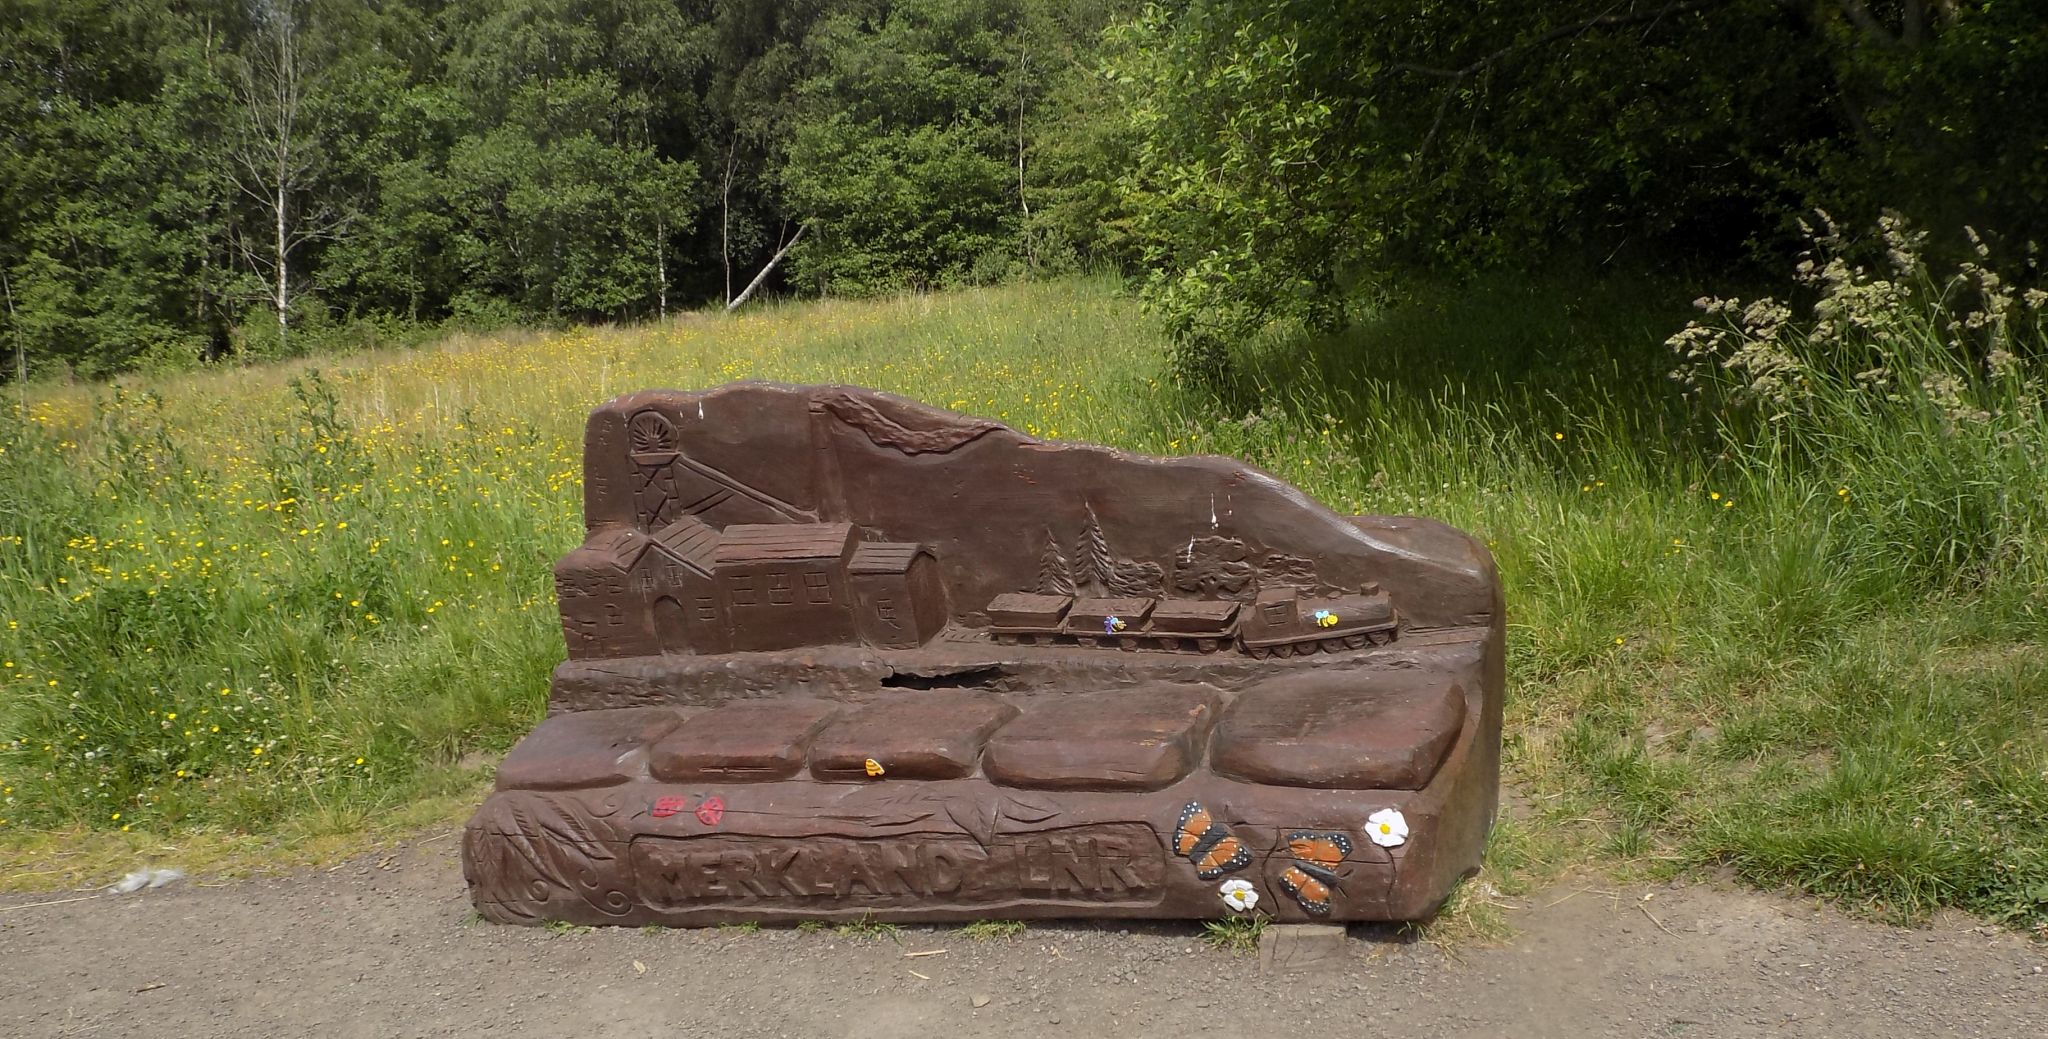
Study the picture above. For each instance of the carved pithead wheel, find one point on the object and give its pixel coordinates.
(650, 432)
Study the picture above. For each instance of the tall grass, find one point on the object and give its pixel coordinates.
(1807, 647)
(258, 597)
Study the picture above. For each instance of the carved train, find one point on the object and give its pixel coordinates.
(1278, 622)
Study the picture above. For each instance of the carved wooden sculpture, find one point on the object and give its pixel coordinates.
(834, 653)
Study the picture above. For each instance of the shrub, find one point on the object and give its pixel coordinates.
(1920, 395)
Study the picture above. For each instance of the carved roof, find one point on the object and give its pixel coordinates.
(691, 540)
(620, 547)
(764, 542)
(883, 557)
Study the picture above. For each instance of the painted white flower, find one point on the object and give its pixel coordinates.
(1239, 896)
(1387, 828)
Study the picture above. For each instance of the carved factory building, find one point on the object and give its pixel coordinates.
(690, 588)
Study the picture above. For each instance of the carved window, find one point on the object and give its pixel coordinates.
(707, 610)
(742, 589)
(1276, 613)
(886, 609)
(779, 593)
(814, 585)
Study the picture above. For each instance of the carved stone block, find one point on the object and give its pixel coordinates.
(1145, 738)
(836, 654)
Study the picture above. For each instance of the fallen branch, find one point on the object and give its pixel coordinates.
(1654, 920)
(763, 276)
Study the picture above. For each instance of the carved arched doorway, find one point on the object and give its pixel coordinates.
(671, 626)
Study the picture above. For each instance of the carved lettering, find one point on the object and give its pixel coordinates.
(1091, 865)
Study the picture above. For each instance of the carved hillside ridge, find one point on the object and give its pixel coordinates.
(985, 497)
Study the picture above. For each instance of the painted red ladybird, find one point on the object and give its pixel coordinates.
(668, 806)
(711, 811)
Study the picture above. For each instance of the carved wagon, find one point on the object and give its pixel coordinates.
(1277, 623)
(1170, 625)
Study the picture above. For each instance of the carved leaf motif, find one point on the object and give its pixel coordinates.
(1028, 808)
(527, 849)
(981, 814)
(976, 816)
(887, 804)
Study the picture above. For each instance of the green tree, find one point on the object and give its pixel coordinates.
(113, 211)
(1289, 151)
(920, 129)
(563, 203)
(900, 159)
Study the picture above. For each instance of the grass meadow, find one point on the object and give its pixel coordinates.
(257, 616)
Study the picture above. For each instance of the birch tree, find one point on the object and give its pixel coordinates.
(276, 153)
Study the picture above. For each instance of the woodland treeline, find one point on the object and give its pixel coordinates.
(211, 178)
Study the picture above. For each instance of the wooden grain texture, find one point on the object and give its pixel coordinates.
(835, 655)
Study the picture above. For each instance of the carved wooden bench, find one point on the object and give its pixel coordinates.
(834, 654)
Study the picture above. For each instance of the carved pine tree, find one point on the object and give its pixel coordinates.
(1095, 569)
(1054, 578)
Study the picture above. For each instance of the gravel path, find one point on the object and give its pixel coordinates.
(383, 947)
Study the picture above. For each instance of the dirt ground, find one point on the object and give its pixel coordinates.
(384, 946)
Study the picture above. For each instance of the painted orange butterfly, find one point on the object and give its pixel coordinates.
(1310, 879)
(1214, 850)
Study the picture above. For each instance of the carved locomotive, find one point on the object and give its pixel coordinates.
(1278, 622)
